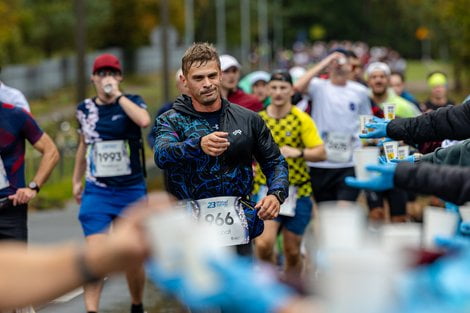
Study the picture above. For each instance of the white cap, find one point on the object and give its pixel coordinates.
(378, 66)
(227, 61)
(259, 75)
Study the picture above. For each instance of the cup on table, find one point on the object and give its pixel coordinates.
(438, 222)
(363, 157)
(389, 111)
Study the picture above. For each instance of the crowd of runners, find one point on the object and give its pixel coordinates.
(251, 156)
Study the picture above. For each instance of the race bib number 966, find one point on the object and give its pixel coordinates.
(226, 215)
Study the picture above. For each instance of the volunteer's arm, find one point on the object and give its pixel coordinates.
(451, 122)
(458, 154)
(451, 183)
(34, 275)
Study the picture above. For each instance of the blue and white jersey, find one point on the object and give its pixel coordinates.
(113, 143)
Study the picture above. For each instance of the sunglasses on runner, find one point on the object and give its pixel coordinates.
(104, 73)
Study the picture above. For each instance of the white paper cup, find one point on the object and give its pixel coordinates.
(389, 111)
(438, 222)
(363, 120)
(341, 226)
(363, 157)
(362, 281)
(401, 236)
(464, 211)
(403, 152)
(391, 150)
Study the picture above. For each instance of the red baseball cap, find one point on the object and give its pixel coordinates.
(107, 60)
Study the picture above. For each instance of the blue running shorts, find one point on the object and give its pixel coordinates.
(101, 205)
(303, 213)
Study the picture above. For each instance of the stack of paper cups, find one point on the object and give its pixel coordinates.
(391, 150)
(438, 222)
(389, 111)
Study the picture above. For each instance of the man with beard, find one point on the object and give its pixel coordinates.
(378, 78)
(207, 145)
(337, 104)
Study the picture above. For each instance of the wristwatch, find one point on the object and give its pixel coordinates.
(280, 195)
(33, 186)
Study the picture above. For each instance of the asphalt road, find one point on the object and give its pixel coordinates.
(61, 226)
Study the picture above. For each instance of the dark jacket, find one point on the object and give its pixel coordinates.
(451, 183)
(458, 154)
(451, 122)
(196, 175)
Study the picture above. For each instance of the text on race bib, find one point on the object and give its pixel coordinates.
(110, 158)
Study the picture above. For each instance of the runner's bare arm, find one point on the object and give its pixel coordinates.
(50, 157)
(315, 154)
(79, 169)
(301, 84)
(138, 115)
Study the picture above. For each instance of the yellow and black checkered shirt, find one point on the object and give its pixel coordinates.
(297, 130)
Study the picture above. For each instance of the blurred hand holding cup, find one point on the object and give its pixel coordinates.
(438, 222)
(363, 157)
(389, 111)
(363, 120)
(391, 150)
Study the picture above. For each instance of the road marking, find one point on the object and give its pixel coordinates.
(69, 296)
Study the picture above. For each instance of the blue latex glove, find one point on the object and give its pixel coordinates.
(381, 142)
(249, 290)
(171, 283)
(454, 243)
(240, 289)
(382, 159)
(379, 126)
(381, 182)
(409, 158)
(465, 228)
(451, 207)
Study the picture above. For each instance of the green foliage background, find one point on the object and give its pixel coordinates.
(33, 29)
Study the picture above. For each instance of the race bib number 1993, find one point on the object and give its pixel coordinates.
(110, 158)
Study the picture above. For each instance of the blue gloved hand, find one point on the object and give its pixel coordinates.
(379, 126)
(381, 182)
(239, 288)
(381, 142)
(382, 159)
(465, 228)
(453, 243)
(171, 283)
(409, 158)
(451, 207)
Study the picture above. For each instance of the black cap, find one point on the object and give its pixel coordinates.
(281, 75)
